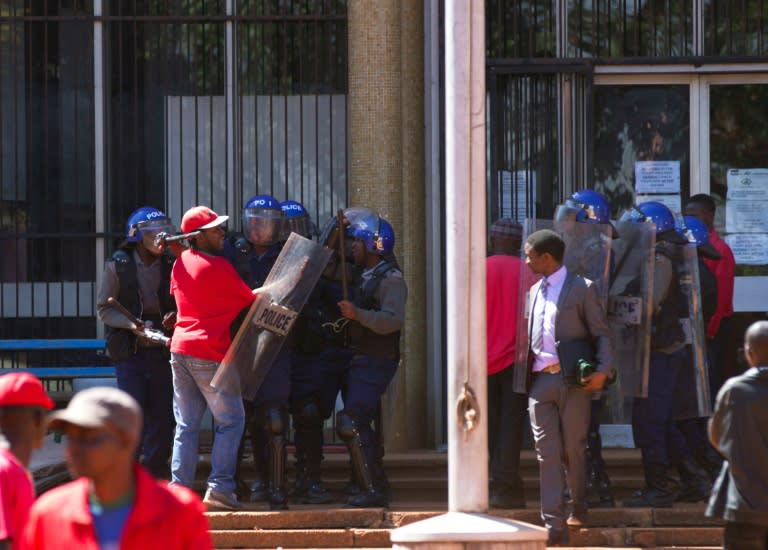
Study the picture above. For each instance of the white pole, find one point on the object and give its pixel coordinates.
(465, 249)
(465, 525)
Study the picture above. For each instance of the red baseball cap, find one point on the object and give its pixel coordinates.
(20, 389)
(200, 217)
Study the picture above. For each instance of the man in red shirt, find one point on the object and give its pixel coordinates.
(116, 504)
(209, 296)
(703, 207)
(23, 402)
(506, 409)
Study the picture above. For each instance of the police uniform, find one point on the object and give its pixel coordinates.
(319, 363)
(653, 424)
(374, 338)
(142, 367)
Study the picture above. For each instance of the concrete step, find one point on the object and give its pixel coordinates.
(330, 527)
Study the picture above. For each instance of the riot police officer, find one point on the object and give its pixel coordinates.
(253, 254)
(699, 471)
(319, 363)
(376, 317)
(653, 417)
(138, 276)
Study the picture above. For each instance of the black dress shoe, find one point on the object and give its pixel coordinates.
(368, 499)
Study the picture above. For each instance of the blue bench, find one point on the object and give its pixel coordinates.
(59, 373)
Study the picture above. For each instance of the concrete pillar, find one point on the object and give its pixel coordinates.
(386, 173)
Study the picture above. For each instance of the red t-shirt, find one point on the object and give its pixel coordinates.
(724, 270)
(209, 295)
(16, 496)
(502, 289)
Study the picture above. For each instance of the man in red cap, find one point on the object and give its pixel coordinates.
(209, 296)
(23, 402)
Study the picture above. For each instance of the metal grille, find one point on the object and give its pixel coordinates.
(630, 28)
(735, 27)
(540, 128)
(518, 28)
(46, 170)
(168, 130)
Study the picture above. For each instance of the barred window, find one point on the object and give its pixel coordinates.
(735, 27)
(630, 28)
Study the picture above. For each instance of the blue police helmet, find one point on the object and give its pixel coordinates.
(662, 218)
(695, 231)
(262, 220)
(145, 218)
(378, 239)
(296, 220)
(592, 206)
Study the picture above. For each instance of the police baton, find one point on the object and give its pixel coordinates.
(150, 334)
(166, 238)
(342, 258)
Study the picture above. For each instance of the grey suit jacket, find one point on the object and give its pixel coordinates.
(738, 429)
(581, 316)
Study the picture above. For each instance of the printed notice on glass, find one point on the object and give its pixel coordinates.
(747, 184)
(746, 216)
(670, 201)
(749, 248)
(518, 194)
(657, 176)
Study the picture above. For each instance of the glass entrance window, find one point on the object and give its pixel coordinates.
(738, 140)
(642, 144)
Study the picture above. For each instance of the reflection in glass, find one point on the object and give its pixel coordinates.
(638, 123)
(616, 28)
(738, 139)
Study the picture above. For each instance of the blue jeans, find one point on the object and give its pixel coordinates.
(192, 391)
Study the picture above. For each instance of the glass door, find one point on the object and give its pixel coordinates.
(643, 130)
(736, 167)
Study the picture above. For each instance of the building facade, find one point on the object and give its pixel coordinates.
(108, 105)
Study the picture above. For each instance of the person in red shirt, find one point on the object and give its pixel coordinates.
(116, 503)
(703, 207)
(209, 296)
(23, 402)
(506, 409)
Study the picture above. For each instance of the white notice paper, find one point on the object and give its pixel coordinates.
(657, 176)
(747, 184)
(746, 216)
(749, 248)
(521, 185)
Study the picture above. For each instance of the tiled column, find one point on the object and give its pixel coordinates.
(386, 140)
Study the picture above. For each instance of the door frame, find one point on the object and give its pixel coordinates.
(747, 290)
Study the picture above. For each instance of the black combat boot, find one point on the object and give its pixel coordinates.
(598, 493)
(660, 490)
(275, 425)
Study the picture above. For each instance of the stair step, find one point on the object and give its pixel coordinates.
(645, 537)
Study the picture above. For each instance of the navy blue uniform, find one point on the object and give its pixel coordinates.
(375, 340)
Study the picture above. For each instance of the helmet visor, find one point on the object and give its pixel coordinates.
(262, 226)
(299, 224)
(150, 229)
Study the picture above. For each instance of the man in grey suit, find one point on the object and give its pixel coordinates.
(739, 431)
(565, 310)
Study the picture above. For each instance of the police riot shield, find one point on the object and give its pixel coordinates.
(630, 311)
(696, 401)
(587, 253)
(271, 316)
